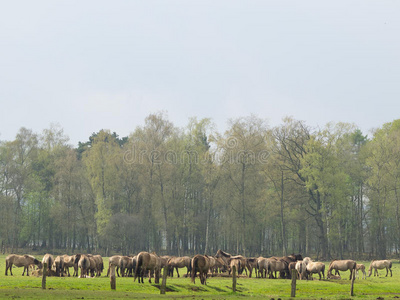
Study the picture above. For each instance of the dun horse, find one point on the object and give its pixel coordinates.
(49, 260)
(147, 261)
(342, 265)
(361, 267)
(201, 264)
(380, 264)
(21, 261)
(179, 262)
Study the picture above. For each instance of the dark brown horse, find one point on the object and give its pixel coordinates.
(226, 257)
(201, 264)
(147, 261)
(21, 261)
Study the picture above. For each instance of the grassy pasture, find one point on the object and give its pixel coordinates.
(24, 287)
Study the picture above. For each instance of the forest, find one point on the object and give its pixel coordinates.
(331, 192)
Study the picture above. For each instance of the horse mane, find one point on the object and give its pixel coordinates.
(223, 253)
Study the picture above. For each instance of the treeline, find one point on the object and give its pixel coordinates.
(253, 189)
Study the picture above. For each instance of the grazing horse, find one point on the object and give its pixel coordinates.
(361, 267)
(235, 262)
(147, 261)
(315, 268)
(342, 265)
(83, 262)
(58, 265)
(380, 264)
(69, 261)
(49, 260)
(179, 262)
(21, 261)
(201, 264)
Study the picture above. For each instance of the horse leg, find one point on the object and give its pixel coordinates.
(177, 272)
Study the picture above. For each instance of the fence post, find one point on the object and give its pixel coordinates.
(164, 281)
(44, 276)
(294, 277)
(353, 276)
(234, 278)
(113, 281)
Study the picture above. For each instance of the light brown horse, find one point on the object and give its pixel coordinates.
(49, 260)
(361, 267)
(277, 265)
(342, 265)
(69, 261)
(262, 267)
(179, 262)
(200, 263)
(234, 262)
(380, 264)
(315, 268)
(147, 261)
(123, 264)
(58, 266)
(113, 261)
(21, 261)
(83, 262)
(300, 267)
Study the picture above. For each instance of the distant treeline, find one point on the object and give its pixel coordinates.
(253, 190)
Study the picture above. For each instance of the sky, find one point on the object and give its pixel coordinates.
(91, 65)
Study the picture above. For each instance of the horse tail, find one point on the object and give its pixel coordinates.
(194, 264)
(139, 264)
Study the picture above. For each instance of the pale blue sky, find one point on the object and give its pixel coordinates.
(89, 65)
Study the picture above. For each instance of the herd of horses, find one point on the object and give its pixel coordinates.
(150, 265)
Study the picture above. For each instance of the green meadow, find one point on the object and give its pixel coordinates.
(24, 287)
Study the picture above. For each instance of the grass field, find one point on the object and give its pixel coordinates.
(23, 287)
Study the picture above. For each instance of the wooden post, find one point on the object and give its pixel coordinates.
(113, 281)
(164, 281)
(44, 276)
(234, 278)
(352, 282)
(294, 277)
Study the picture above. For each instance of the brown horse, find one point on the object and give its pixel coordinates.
(226, 257)
(262, 266)
(179, 262)
(49, 260)
(201, 264)
(315, 268)
(251, 263)
(123, 264)
(113, 261)
(380, 264)
(83, 262)
(147, 261)
(21, 261)
(342, 265)
(58, 265)
(69, 261)
(277, 265)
